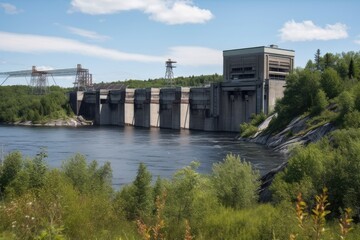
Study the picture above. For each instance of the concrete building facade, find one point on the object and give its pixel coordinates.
(253, 79)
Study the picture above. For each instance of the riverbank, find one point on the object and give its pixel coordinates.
(76, 121)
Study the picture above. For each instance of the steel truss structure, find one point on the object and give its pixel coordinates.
(169, 74)
(39, 78)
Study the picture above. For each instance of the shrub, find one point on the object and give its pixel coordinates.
(235, 182)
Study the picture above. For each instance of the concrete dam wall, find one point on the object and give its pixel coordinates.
(253, 79)
(214, 108)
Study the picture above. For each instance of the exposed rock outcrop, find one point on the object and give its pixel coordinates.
(296, 133)
(69, 122)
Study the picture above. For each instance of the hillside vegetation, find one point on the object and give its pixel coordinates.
(18, 104)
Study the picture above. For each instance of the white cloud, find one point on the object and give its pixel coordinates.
(26, 43)
(9, 8)
(308, 31)
(357, 41)
(195, 56)
(87, 34)
(166, 11)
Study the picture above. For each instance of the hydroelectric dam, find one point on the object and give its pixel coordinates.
(253, 78)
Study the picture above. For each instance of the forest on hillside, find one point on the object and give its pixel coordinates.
(19, 104)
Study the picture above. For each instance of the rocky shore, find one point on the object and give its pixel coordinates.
(76, 121)
(296, 133)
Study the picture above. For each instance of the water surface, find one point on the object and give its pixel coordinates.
(163, 151)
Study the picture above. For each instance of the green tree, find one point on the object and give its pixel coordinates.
(342, 68)
(88, 178)
(320, 102)
(329, 60)
(351, 71)
(235, 182)
(318, 60)
(142, 192)
(310, 65)
(331, 83)
(10, 168)
(346, 102)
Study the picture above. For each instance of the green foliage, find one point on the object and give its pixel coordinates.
(331, 83)
(88, 178)
(299, 96)
(249, 129)
(11, 166)
(320, 102)
(228, 223)
(346, 102)
(333, 163)
(351, 71)
(74, 202)
(235, 182)
(329, 74)
(318, 60)
(142, 192)
(329, 61)
(19, 104)
(181, 199)
(191, 81)
(351, 120)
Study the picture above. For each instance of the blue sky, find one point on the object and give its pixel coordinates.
(132, 39)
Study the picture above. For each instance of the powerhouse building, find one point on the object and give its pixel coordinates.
(253, 79)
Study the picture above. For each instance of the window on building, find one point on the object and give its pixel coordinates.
(277, 77)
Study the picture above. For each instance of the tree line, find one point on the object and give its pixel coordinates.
(190, 81)
(19, 104)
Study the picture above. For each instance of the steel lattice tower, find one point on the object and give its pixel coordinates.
(39, 78)
(169, 74)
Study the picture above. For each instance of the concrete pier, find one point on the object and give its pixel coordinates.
(174, 108)
(146, 107)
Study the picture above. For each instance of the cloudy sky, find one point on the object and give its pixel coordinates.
(132, 39)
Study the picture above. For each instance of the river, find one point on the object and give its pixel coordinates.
(163, 151)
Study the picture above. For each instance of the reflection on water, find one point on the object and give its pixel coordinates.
(163, 151)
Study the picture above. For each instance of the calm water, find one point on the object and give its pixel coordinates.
(163, 151)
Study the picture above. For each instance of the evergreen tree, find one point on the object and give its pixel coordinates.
(318, 60)
(142, 192)
(328, 60)
(351, 72)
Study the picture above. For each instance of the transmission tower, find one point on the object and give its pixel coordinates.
(169, 74)
(39, 81)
